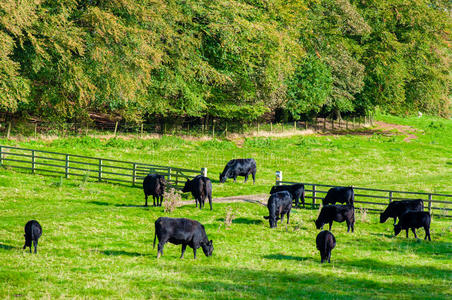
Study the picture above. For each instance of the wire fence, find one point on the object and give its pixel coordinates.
(214, 128)
(377, 199)
(99, 169)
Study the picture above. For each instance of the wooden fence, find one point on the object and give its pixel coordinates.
(100, 169)
(378, 199)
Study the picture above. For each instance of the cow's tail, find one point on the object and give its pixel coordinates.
(326, 244)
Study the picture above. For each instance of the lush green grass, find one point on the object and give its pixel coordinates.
(98, 243)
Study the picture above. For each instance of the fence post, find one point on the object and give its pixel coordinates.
(213, 129)
(204, 172)
(141, 129)
(346, 124)
(169, 174)
(36, 130)
(134, 173)
(324, 124)
(278, 177)
(99, 177)
(332, 123)
(9, 130)
(430, 204)
(390, 197)
(32, 161)
(271, 126)
(294, 125)
(314, 194)
(66, 167)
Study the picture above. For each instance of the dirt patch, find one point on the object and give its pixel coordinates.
(397, 129)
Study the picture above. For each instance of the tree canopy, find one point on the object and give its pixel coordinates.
(62, 60)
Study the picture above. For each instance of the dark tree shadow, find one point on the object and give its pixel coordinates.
(99, 203)
(121, 252)
(132, 205)
(286, 257)
(243, 221)
(7, 247)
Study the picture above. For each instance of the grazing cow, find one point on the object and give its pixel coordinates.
(397, 208)
(239, 167)
(154, 184)
(182, 231)
(296, 190)
(32, 233)
(339, 194)
(413, 220)
(338, 213)
(279, 204)
(200, 187)
(325, 243)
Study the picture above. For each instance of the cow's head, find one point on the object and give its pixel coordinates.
(207, 248)
(186, 186)
(397, 229)
(222, 178)
(272, 219)
(383, 217)
(318, 223)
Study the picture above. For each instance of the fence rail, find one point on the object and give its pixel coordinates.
(436, 203)
(100, 169)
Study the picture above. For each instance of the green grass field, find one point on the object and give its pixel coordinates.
(97, 241)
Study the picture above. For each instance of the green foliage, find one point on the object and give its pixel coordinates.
(231, 59)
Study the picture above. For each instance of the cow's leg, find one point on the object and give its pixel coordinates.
(322, 256)
(210, 201)
(282, 217)
(146, 200)
(194, 251)
(36, 245)
(297, 202)
(353, 226)
(246, 178)
(395, 220)
(31, 245)
(348, 225)
(407, 232)
(288, 216)
(254, 177)
(427, 233)
(331, 224)
(329, 256)
(153, 199)
(414, 231)
(184, 246)
(235, 178)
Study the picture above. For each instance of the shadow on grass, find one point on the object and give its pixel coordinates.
(121, 253)
(7, 247)
(243, 221)
(131, 205)
(99, 203)
(286, 257)
(296, 282)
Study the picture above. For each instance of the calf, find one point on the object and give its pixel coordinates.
(413, 220)
(279, 204)
(32, 233)
(325, 243)
(200, 187)
(182, 231)
(239, 167)
(397, 208)
(296, 190)
(338, 213)
(340, 194)
(154, 184)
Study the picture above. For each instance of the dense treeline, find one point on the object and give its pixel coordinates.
(64, 59)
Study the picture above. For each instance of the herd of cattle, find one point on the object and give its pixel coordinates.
(182, 231)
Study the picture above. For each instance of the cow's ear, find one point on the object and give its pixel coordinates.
(266, 217)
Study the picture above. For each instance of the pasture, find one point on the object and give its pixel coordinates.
(97, 239)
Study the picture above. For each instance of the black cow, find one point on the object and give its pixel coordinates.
(182, 231)
(339, 194)
(200, 187)
(296, 190)
(413, 220)
(33, 232)
(154, 184)
(338, 213)
(325, 243)
(397, 208)
(279, 204)
(239, 167)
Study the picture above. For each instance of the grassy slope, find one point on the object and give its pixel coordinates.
(96, 243)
